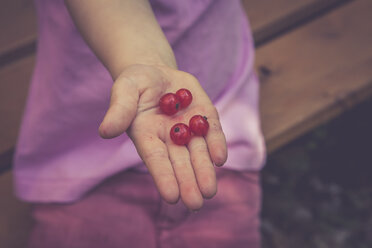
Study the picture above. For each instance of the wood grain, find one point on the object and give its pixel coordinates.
(14, 82)
(269, 18)
(310, 75)
(15, 218)
(17, 25)
(18, 21)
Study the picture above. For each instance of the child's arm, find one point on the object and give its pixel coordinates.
(122, 33)
(127, 38)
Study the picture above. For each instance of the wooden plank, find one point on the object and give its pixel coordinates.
(269, 18)
(15, 218)
(14, 82)
(18, 21)
(312, 74)
(17, 25)
(6, 160)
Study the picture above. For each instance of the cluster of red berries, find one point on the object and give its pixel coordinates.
(180, 133)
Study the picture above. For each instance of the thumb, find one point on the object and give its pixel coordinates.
(122, 110)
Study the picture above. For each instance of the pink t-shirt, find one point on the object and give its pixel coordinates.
(60, 155)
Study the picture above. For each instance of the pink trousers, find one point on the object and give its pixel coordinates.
(127, 211)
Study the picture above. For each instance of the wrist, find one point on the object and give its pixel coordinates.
(155, 61)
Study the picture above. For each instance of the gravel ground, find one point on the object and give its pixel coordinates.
(318, 189)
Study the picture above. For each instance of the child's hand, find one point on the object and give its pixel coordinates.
(177, 170)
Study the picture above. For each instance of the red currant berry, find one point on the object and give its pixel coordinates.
(185, 97)
(169, 104)
(180, 134)
(199, 125)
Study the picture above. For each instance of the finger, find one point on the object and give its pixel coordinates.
(216, 142)
(122, 110)
(203, 167)
(155, 155)
(189, 190)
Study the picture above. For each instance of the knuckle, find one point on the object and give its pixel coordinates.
(180, 162)
(214, 112)
(167, 177)
(190, 77)
(204, 164)
(205, 171)
(199, 148)
(200, 163)
(215, 127)
(188, 186)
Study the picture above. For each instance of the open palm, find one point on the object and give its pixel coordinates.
(185, 171)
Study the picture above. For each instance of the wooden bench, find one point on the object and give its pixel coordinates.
(313, 58)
